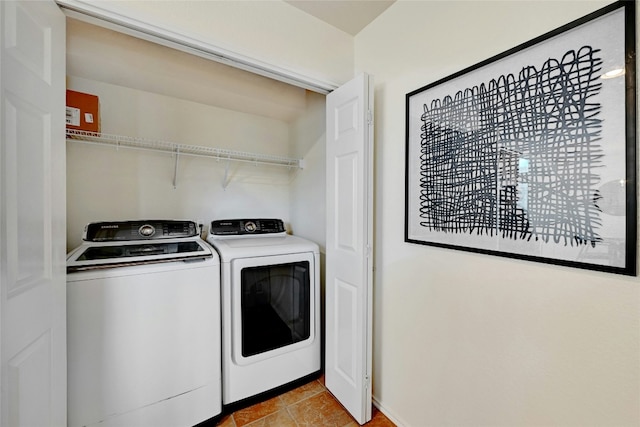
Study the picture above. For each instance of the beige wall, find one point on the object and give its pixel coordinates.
(157, 93)
(140, 182)
(465, 339)
(108, 184)
(308, 188)
(265, 30)
(459, 338)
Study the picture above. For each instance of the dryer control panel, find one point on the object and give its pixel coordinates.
(236, 227)
(139, 230)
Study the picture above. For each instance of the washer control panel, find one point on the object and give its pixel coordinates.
(139, 230)
(237, 227)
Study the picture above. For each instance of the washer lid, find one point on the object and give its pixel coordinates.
(94, 255)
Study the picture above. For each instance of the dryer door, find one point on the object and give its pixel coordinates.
(273, 306)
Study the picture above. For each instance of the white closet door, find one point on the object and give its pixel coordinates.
(349, 240)
(32, 214)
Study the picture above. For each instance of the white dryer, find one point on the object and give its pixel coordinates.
(270, 306)
(143, 326)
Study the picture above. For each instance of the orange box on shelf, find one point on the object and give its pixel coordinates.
(83, 111)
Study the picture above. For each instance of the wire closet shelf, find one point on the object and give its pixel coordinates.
(120, 141)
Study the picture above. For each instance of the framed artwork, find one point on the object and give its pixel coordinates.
(531, 154)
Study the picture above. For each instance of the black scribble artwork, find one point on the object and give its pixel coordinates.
(517, 157)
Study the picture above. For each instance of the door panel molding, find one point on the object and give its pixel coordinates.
(33, 361)
(349, 242)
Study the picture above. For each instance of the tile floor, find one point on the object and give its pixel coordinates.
(309, 405)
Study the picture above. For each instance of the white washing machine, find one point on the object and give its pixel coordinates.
(143, 326)
(270, 306)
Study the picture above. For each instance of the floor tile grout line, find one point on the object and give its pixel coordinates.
(307, 397)
(322, 390)
(288, 407)
(284, 406)
(291, 416)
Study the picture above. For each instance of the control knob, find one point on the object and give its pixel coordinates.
(147, 230)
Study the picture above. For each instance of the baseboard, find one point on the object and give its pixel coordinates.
(387, 413)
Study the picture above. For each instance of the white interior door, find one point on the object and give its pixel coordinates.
(32, 214)
(348, 247)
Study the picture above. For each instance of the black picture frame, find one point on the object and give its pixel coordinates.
(531, 154)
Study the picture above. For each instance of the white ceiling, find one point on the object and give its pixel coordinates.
(350, 16)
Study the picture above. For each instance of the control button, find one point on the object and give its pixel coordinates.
(147, 230)
(250, 227)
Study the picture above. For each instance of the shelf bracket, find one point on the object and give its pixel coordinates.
(175, 168)
(226, 180)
